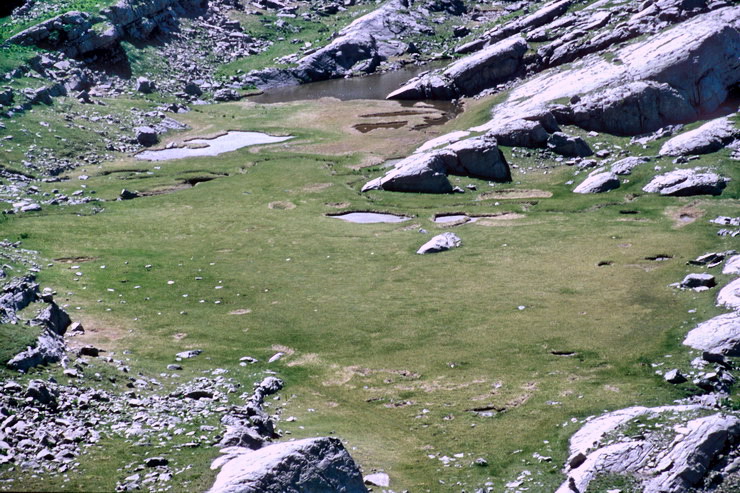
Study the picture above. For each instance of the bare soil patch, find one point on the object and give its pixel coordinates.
(514, 193)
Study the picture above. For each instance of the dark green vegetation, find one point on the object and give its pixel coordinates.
(14, 338)
(395, 353)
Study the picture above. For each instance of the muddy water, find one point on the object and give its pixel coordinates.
(228, 142)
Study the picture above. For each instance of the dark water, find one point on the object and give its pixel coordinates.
(369, 87)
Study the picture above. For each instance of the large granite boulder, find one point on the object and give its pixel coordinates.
(598, 183)
(340, 57)
(687, 182)
(520, 133)
(427, 172)
(718, 335)
(311, 465)
(567, 145)
(626, 165)
(424, 173)
(710, 137)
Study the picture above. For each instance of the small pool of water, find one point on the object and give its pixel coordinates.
(228, 142)
(453, 218)
(370, 217)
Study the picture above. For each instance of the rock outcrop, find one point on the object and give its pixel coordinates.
(718, 335)
(699, 446)
(80, 33)
(309, 465)
(729, 296)
(470, 75)
(427, 172)
(710, 137)
(687, 182)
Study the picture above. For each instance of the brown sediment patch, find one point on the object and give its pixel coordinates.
(179, 336)
(74, 260)
(514, 193)
(682, 216)
(337, 205)
(410, 227)
(240, 311)
(283, 349)
(165, 190)
(305, 359)
(369, 127)
(499, 219)
(398, 113)
(316, 187)
(342, 375)
(281, 205)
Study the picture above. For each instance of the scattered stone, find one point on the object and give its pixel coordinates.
(569, 146)
(189, 354)
(698, 281)
(145, 86)
(380, 479)
(146, 136)
(440, 243)
(674, 376)
(710, 137)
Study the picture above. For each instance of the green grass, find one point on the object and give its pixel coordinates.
(374, 333)
(14, 339)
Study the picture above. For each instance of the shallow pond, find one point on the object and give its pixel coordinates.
(370, 217)
(228, 142)
(376, 86)
(453, 218)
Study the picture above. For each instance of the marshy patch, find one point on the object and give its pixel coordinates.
(369, 217)
(281, 205)
(682, 216)
(75, 260)
(227, 142)
(369, 127)
(515, 193)
(133, 171)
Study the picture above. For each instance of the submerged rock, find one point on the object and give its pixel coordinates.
(309, 465)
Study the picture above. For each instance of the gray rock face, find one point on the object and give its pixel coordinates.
(303, 466)
(718, 335)
(440, 243)
(729, 296)
(635, 108)
(626, 165)
(49, 348)
(687, 182)
(427, 172)
(710, 137)
(732, 266)
(226, 95)
(567, 145)
(598, 183)
(470, 75)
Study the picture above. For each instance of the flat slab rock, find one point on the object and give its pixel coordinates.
(303, 466)
(718, 335)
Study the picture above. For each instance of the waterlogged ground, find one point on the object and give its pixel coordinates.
(550, 311)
